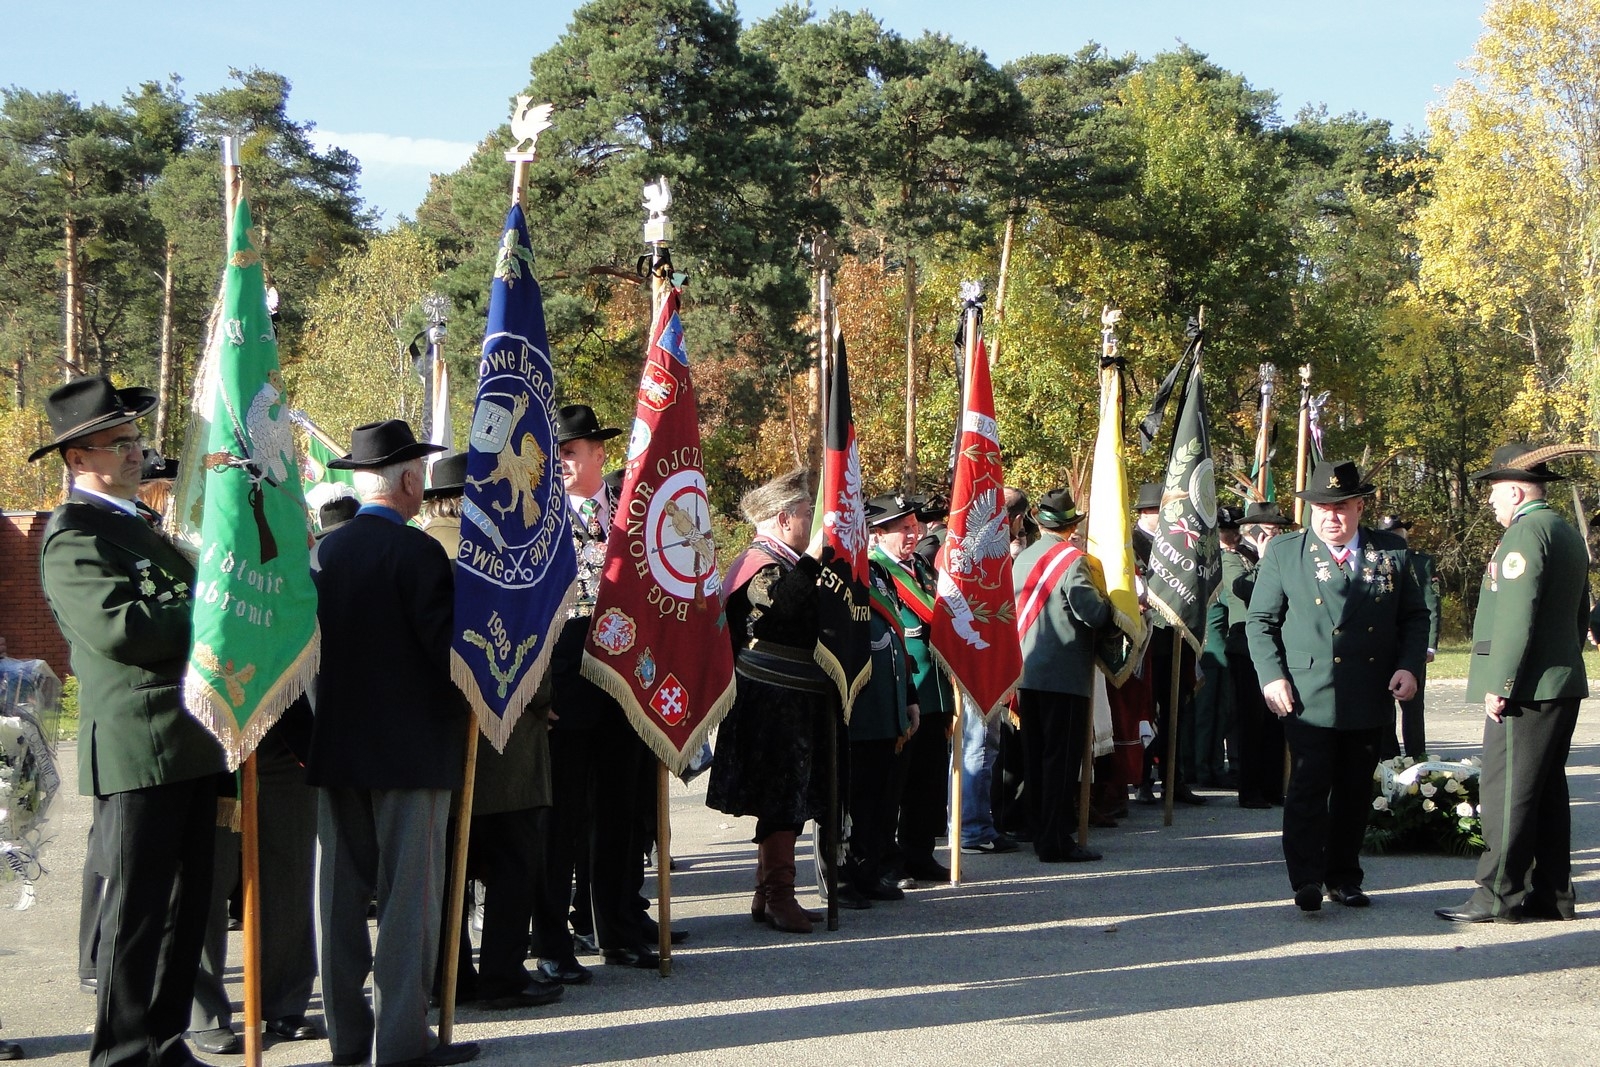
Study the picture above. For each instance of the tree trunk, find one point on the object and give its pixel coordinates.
(1000, 286)
(164, 379)
(74, 309)
(910, 476)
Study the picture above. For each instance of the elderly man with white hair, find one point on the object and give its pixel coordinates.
(387, 747)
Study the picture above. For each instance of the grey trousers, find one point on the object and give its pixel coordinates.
(389, 842)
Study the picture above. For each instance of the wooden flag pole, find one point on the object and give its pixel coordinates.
(1169, 774)
(1304, 436)
(249, 838)
(456, 891)
(250, 879)
(657, 232)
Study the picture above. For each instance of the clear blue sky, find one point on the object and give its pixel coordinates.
(410, 87)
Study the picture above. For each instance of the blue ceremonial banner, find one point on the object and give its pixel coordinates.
(515, 572)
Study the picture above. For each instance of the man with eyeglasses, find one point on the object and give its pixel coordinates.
(120, 593)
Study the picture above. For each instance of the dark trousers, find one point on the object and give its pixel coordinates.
(594, 776)
(873, 807)
(1260, 735)
(156, 844)
(925, 799)
(1526, 819)
(1161, 643)
(93, 891)
(1052, 742)
(1413, 732)
(1007, 799)
(503, 853)
(1330, 799)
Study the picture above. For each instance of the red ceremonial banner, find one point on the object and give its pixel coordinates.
(974, 628)
(658, 642)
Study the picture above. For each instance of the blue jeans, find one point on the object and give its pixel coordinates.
(979, 745)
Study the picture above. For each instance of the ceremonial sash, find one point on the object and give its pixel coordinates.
(918, 599)
(884, 606)
(1042, 581)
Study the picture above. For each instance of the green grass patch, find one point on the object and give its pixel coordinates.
(1452, 660)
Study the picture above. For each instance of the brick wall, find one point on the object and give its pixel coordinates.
(25, 620)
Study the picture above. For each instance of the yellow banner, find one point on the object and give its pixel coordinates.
(1111, 526)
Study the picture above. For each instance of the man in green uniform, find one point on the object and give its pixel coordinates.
(1337, 630)
(120, 593)
(1527, 668)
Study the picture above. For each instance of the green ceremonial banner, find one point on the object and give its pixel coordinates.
(255, 610)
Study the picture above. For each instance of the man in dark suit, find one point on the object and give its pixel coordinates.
(1338, 631)
(120, 593)
(387, 747)
(596, 757)
(1059, 610)
(1527, 668)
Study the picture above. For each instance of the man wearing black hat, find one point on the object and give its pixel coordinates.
(1260, 732)
(1059, 609)
(120, 593)
(596, 757)
(1413, 730)
(1527, 668)
(387, 748)
(1338, 630)
(925, 762)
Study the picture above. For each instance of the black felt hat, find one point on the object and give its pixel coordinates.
(1394, 522)
(892, 506)
(1228, 517)
(378, 444)
(577, 421)
(1332, 482)
(1149, 496)
(88, 405)
(934, 509)
(1057, 511)
(1518, 461)
(1264, 513)
(448, 476)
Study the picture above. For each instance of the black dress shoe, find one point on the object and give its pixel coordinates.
(89, 985)
(536, 995)
(1474, 912)
(1147, 795)
(652, 935)
(643, 958)
(1350, 896)
(292, 1028)
(1546, 911)
(566, 972)
(1254, 802)
(10, 1050)
(585, 945)
(1309, 897)
(347, 1059)
(928, 869)
(442, 1055)
(1185, 795)
(1075, 854)
(219, 1042)
(852, 898)
(884, 888)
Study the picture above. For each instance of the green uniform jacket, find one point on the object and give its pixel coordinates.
(120, 593)
(879, 712)
(1338, 640)
(1430, 592)
(1058, 649)
(1527, 639)
(1238, 582)
(934, 696)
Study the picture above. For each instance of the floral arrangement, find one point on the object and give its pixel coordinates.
(1427, 805)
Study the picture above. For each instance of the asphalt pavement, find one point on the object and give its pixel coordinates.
(1181, 947)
